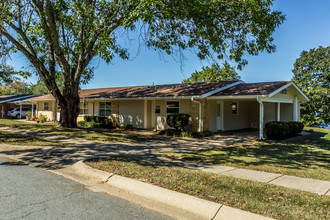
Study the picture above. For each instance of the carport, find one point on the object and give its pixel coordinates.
(12, 101)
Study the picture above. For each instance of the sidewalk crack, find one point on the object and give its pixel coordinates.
(275, 178)
(217, 212)
(228, 170)
(109, 178)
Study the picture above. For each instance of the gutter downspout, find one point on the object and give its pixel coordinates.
(261, 119)
(199, 113)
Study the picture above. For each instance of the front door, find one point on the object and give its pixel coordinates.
(219, 116)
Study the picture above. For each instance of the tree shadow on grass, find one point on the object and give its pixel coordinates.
(312, 150)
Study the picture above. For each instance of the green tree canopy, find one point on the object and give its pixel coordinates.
(312, 75)
(65, 35)
(215, 73)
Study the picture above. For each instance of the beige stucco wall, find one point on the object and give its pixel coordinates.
(50, 113)
(286, 112)
(253, 109)
(290, 95)
(239, 121)
(270, 112)
(212, 115)
(131, 112)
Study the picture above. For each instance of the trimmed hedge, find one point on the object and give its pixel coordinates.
(278, 130)
(178, 133)
(178, 121)
(93, 121)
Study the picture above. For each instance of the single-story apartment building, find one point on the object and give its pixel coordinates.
(215, 106)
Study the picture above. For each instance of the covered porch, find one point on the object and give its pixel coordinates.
(251, 113)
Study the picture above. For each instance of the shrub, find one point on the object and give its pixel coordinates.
(128, 127)
(169, 132)
(42, 118)
(94, 121)
(206, 133)
(178, 121)
(161, 132)
(277, 130)
(186, 134)
(29, 115)
(82, 123)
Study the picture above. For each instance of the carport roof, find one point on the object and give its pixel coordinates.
(12, 98)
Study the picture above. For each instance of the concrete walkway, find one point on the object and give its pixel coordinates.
(77, 149)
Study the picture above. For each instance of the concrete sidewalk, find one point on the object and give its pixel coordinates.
(81, 149)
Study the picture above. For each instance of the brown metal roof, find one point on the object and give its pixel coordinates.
(194, 89)
(263, 88)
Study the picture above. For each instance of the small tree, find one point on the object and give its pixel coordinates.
(215, 73)
(178, 121)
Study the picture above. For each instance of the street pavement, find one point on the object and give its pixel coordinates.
(33, 193)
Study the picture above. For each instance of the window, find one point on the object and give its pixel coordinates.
(83, 108)
(284, 91)
(105, 108)
(172, 107)
(234, 108)
(46, 105)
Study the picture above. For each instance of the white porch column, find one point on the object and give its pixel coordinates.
(261, 120)
(145, 114)
(32, 111)
(295, 109)
(278, 111)
(153, 109)
(20, 111)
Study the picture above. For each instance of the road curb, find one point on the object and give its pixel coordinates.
(199, 208)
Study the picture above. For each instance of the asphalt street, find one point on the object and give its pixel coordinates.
(33, 193)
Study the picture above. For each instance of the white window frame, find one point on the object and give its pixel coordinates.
(46, 108)
(231, 107)
(105, 109)
(83, 106)
(166, 105)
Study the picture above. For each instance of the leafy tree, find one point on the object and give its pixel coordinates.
(312, 76)
(7, 74)
(41, 89)
(15, 87)
(65, 35)
(215, 73)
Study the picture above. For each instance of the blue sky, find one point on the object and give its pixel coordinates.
(306, 26)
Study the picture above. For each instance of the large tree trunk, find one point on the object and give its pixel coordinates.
(69, 105)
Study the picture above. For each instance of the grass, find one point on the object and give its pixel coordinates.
(261, 198)
(305, 156)
(94, 134)
(19, 139)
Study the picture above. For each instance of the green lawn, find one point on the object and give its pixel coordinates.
(261, 198)
(306, 156)
(94, 134)
(19, 139)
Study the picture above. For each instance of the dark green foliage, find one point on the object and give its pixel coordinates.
(93, 121)
(82, 123)
(312, 75)
(178, 121)
(278, 130)
(128, 127)
(206, 133)
(178, 133)
(215, 73)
